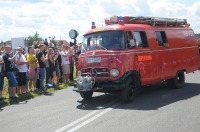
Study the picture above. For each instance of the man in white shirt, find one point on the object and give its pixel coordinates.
(65, 63)
(21, 65)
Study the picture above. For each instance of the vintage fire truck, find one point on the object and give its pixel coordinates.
(130, 52)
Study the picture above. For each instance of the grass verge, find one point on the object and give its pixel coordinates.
(29, 95)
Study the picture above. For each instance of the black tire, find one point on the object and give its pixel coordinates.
(178, 81)
(129, 92)
(86, 95)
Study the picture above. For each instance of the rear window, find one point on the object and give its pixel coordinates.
(161, 37)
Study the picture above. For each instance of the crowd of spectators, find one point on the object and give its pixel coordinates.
(26, 72)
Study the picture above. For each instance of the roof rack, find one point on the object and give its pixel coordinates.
(147, 20)
(154, 21)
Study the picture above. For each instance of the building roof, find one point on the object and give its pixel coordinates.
(63, 42)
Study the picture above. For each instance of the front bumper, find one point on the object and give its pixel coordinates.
(103, 87)
(107, 86)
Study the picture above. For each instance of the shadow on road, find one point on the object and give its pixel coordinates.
(97, 102)
(22, 99)
(157, 96)
(151, 98)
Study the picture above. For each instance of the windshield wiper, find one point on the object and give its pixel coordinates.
(102, 47)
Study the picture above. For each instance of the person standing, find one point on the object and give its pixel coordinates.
(31, 58)
(52, 68)
(35, 44)
(59, 68)
(47, 71)
(37, 51)
(21, 65)
(71, 61)
(65, 64)
(46, 42)
(51, 44)
(10, 71)
(42, 59)
(1, 77)
(2, 51)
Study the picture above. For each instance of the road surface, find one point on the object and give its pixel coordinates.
(156, 109)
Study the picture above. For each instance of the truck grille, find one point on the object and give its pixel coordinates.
(97, 72)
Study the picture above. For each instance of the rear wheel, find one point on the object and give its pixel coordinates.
(178, 81)
(130, 90)
(86, 95)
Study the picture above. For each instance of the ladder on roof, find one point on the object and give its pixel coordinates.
(156, 21)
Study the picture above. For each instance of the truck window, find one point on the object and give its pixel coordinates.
(141, 39)
(129, 38)
(161, 37)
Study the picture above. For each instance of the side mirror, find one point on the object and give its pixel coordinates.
(132, 43)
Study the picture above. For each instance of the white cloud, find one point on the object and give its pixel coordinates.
(57, 17)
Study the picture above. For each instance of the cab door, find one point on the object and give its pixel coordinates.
(144, 57)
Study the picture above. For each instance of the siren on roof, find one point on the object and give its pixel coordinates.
(93, 25)
(115, 20)
(121, 21)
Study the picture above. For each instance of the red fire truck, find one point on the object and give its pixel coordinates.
(131, 52)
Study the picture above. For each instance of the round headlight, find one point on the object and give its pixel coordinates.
(114, 73)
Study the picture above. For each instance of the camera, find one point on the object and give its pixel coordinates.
(56, 52)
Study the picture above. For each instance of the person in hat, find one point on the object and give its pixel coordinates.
(10, 71)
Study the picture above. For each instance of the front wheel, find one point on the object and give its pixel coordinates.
(87, 95)
(178, 81)
(130, 90)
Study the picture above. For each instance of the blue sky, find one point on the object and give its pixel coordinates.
(21, 18)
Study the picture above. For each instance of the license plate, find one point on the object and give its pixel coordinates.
(93, 60)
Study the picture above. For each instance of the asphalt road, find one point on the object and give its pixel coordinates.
(156, 109)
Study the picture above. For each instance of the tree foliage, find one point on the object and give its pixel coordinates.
(197, 35)
(30, 39)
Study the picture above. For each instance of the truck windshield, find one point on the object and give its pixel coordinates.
(109, 40)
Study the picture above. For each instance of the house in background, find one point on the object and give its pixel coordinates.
(61, 42)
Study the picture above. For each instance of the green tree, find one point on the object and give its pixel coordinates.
(30, 39)
(197, 35)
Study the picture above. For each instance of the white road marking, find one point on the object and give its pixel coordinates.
(87, 116)
(77, 121)
(93, 118)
